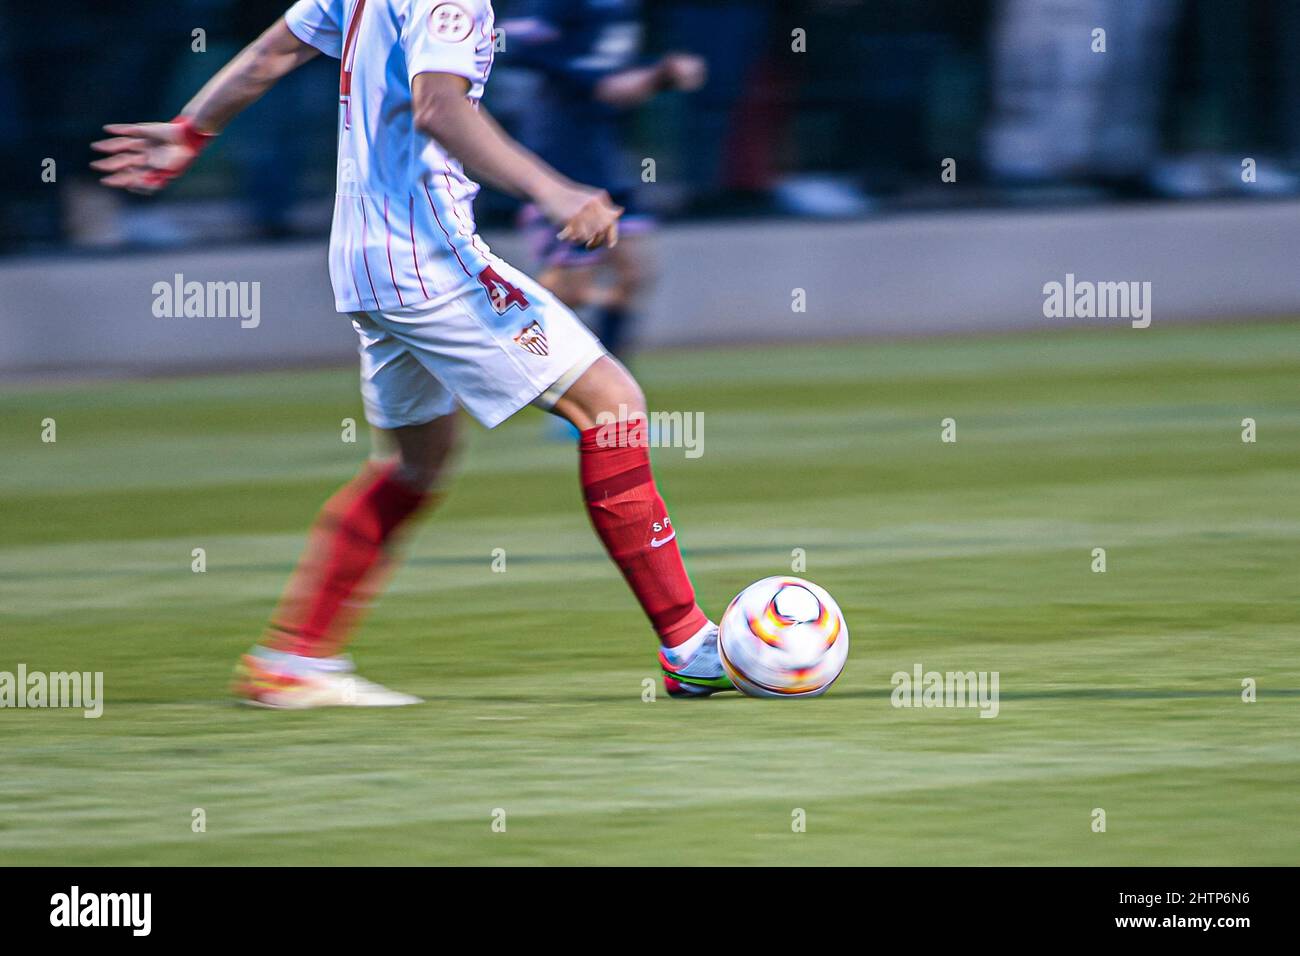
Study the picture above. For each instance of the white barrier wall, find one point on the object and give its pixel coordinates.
(730, 282)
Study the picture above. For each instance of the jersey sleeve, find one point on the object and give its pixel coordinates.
(442, 36)
(318, 23)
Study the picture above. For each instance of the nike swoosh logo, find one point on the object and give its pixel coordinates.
(656, 543)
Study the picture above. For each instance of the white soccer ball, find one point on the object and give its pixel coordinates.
(783, 637)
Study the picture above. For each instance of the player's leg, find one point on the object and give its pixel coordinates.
(350, 543)
(507, 343)
(348, 552)
(607, 406)
(605, 392)
(297, 664)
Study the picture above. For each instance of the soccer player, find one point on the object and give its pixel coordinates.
(587, 56)
(441, 322)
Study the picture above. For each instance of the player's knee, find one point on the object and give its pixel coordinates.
(619, 394)
(423, 459)
(606, 392)
(417, 476)
(420, 473)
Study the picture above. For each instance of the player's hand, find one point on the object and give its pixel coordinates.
(587, 216)
(145, 157)
(684, 71)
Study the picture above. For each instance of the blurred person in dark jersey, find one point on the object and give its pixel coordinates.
(586, 56)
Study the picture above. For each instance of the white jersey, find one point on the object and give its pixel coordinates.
(403, 231)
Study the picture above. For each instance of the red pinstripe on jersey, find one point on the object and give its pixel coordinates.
(383, 157)
(415, 257)
(451, 245)
(388, 246)
(365, 228)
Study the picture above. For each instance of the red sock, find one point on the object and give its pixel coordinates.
(631, 519)
(341, 566)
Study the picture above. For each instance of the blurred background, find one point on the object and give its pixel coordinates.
(848, 292)
(867, 147)
(857, 125)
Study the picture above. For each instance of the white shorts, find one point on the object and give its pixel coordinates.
(495, 347)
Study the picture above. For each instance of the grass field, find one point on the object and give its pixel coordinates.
(1119, 690)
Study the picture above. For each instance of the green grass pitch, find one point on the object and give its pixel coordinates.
(1119, 690)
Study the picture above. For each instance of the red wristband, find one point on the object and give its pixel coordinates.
(192, 136)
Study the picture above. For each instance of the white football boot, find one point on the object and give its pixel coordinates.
(693, 668)
(267, 678)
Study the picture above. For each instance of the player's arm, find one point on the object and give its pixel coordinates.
(144, 157)
(442, 111)
(242, 82)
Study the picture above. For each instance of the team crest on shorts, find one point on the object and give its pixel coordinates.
(502, 294)
(450, 22)
(533, 339)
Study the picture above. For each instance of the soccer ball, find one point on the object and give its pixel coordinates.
(783, 637)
